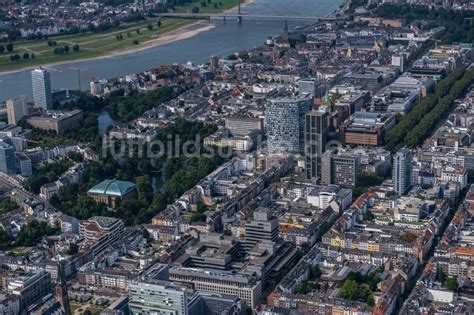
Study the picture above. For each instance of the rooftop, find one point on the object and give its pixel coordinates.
(112, 188)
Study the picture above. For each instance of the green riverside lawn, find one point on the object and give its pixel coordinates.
(92, 45)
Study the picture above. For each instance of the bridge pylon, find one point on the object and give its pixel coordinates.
(239, 17)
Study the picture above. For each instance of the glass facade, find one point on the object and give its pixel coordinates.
(41, 81)
(285, 125)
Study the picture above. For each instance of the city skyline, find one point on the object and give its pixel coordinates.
(326, 169)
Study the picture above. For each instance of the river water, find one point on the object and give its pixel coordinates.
(223, 40)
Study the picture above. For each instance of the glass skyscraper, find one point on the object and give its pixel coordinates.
(316, 128)
(285, 124)
(41, 81)
(7, 158)
(402, 170)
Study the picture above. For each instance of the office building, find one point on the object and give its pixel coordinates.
(30, 287)
(216, 304)
(242, 126)
(20, 143)
(311, 87)
(100, 232)
(399, 61)
(16, 109)
(340, 168)
(157, 297)
(245, 286)
(10, 130)
(7, 158)
(57, 121)
(42, 95)
(350, 102)
(93, 228)
(106, 278)
(402, 170)
(315, 139)
(118, 307)
(23, 164)
(211, 252)
(214, 62)
(366, 129)
(263, 227)
(285, 125)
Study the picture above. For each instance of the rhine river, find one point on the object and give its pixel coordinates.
(222, 40)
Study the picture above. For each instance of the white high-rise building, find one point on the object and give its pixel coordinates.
(16, 109)
(402, 170)
(41, 81)
(157, 298)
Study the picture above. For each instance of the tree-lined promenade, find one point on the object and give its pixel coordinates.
(422, 120)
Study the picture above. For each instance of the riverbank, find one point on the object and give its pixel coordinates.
(181, 33)
(222, 40)
(172, 31)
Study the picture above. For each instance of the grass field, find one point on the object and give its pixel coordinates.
(91, 44)
(94, 45)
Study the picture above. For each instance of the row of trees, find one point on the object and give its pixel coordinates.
(65, 49)
(440, 111)
(7, 48)
(25, 56)
(404, 132)
(138, 31)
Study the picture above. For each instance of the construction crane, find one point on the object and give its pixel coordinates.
(78, 70)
